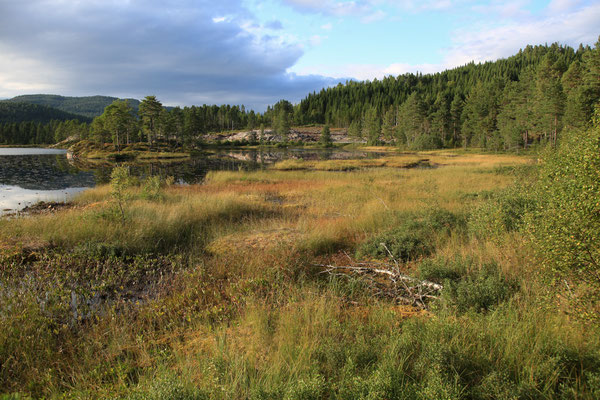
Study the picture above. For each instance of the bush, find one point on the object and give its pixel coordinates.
(427, 142)
(415, 237)
(440, 270)
(480, 291)
(503, 212)
(565, 225)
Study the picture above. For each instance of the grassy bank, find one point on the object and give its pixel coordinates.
(214, 290)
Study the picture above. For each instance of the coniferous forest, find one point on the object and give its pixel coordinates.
(508, 104)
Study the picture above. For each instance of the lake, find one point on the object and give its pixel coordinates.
(30, 175)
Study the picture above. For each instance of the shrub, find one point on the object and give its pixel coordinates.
(120, 181)
(480, 291)
(565, 226)
(503, 212)
(440, 269)
(415, 236)
(427, 142)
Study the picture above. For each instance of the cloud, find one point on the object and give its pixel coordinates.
(373, 17)
(275, 25)
(574, 25)
(183, 51)
(327, 27)
(490, 40)
(332, 7)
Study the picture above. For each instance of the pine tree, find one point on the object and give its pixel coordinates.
(325, 138)
(149, 111)
(372, 126)
(389, 124)
(117, 120)
(411, 120)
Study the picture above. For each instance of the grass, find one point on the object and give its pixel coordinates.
(211, 291)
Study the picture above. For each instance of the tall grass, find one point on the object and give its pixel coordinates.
(211, 291)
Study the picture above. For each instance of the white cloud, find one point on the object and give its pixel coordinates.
(180, 50)
(374, 17)
(327, 27)
(491, 40)
(332, 7)
(571, 27)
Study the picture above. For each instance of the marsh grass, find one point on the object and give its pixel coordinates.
(233, 306)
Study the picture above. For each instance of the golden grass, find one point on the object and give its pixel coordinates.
(248, 314)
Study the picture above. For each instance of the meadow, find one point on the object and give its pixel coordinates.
(217, 291)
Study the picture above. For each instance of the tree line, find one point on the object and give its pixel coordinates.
(506, 104)
(29, 132)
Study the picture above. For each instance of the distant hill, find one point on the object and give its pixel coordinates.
(89, 106)
(11, 111)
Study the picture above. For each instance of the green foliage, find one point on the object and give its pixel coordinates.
(325, 139)
(149, 111)
(440, 270)
(88, 106)
(16, 112)
(481, 290)
(426, 142)
(281, 124)
(503, 212)
(565, 225)
(169, 387)
(414, 237)
(120, 181)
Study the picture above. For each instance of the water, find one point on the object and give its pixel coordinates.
(30, 175)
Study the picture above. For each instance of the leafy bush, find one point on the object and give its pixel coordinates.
(415, 237)
(427, 142)
(169, 388)
(503, 212)
(565, 226)
(403, 244)
(480, 291)
(441, 269)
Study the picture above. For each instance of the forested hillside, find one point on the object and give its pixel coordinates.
(19, 112)
(89, 106)
(508, 104)
(504, 104)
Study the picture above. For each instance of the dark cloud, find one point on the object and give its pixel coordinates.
(184, 51)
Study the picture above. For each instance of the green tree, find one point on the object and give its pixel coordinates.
(549, 98)
(282, 124)
(150, 111)
(456, 109)
(577, 101)
(261, 134)
(372, 126)
(441, 119)
(98, 130)
(325, 138)
(389, 124)
(120, 181)
(411, 120)
(355, 129)
(118, 120)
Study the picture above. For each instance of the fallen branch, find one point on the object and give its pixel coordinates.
(402, 288)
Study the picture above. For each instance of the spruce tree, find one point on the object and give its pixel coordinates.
(325, 138)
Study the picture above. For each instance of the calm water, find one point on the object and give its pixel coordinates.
(29, 175)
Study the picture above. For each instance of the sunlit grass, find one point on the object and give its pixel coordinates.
(249, 315)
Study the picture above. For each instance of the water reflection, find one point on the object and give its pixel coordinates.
(31, 175)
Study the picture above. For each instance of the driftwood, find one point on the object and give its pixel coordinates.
(386, 281)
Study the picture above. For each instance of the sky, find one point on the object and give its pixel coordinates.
(256, 52)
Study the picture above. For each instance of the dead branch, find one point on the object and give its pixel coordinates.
(386, 281)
